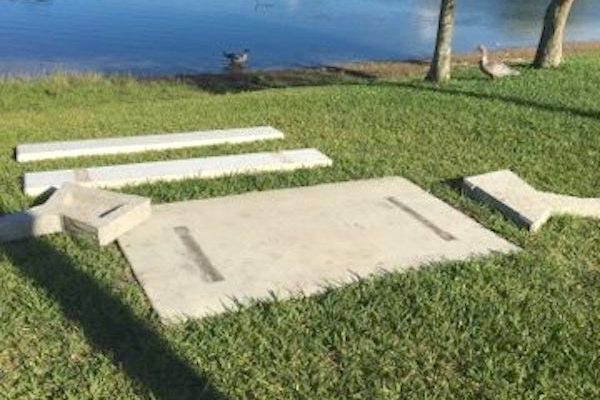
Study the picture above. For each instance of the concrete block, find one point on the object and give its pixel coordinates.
(36, 183)
(194, 258)
(135, 144)
(32, 223)
(97, 214)
(523, 204)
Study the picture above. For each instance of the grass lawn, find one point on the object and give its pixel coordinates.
(74, 323)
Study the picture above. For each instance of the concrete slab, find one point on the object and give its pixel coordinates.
(52, 150)
(36, 183)
(193, 258)
(97, 214)
(523, 204)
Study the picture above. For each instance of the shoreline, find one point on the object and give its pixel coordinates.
(352, 72)
(306, 75)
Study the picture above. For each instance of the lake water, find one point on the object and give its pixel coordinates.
(187, 36)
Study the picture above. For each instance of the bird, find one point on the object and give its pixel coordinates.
(238, 60)
(494, 69)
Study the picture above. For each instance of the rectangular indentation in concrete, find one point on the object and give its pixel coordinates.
(106, 213)
(36, 183)
(135, 144)
(434, 228)
(292, 240)
(209, 272)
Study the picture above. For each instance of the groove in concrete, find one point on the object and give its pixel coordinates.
(209, 272)
(447, 236)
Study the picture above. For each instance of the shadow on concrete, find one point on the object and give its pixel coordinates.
(426, 87)
(109, 325)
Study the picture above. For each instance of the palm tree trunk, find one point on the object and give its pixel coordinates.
(442, 58)
(550, 49)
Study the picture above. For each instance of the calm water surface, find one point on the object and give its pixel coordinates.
(187, 36)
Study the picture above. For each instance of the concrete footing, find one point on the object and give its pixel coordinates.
(523, 204)
(83, 212)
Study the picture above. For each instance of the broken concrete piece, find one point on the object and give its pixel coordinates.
(135, 144)
(521, 203)
(209, 167)
(194, 258)
(97, 214)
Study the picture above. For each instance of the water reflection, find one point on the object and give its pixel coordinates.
(187, 36)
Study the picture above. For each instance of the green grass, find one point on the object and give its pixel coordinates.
(74, 323)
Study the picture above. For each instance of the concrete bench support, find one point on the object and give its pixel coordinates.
(83, 212)
(523, 204)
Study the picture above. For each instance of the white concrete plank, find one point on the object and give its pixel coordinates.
(193, 258)
(36, 183)
(134, 144)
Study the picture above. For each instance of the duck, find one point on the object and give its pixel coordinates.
(237, 59)
(494, 69)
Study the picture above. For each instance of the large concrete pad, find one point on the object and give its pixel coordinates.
(36, 183)
(51, 150)
(523, 204)
(83, 212)
(193, 258)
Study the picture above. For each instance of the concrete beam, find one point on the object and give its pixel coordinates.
(36, 183)
(135, 144)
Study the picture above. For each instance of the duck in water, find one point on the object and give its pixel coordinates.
(494, 69)
(237, 60)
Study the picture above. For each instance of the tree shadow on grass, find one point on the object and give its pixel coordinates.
(108, 324)
(426, 87)
(246, 80)
(241, 81)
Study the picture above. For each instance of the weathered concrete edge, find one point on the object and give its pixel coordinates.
(138, 214)
(478, 194)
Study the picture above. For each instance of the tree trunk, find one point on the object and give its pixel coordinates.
(550, 50)
(442, 58)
